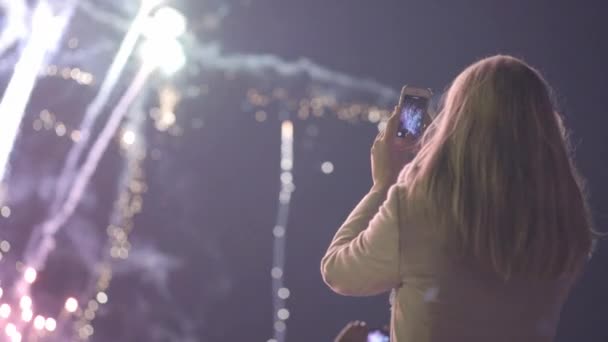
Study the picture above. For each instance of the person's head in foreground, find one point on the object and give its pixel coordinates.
(495, 168)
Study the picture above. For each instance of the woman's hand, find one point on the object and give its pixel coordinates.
(353, 332)
(391, 153)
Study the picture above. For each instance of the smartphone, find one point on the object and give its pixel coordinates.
(414, 111)
(377, 336)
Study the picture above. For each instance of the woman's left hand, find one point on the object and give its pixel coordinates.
(391, 153)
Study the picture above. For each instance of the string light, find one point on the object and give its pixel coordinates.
(315, 106)
(128, 204)
(70, 74)
(278, 262)
(47, 121)
(283, 314)
(283, 293)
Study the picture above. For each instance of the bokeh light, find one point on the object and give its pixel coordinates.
(30, 275)
(50, 324)
(128, 137)
(39, 322)
(10, 329)
(26, 315)
(5, 211)
(71, 304)
(102, 298)
(25, 302)
(327, 167)
(5, 310)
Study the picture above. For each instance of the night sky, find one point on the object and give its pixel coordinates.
(212, 192)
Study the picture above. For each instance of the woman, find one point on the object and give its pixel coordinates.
(485, 231)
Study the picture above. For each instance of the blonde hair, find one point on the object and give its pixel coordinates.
(495, 169)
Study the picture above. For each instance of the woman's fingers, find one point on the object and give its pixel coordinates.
(392, 125)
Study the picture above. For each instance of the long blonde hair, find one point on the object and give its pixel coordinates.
(495, 168)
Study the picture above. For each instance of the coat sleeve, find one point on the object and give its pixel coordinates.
(363, 257)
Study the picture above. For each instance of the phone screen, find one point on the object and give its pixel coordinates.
(377, 336)
(412, 120)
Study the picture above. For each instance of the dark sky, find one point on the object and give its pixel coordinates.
(425, 43)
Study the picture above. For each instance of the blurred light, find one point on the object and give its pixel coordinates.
(86, 331)
(327, 167)
(16, 337)
(85, 78)
(278, 231)
(374, 116)
(71, 305)
(287, 130)
(128, 137)
(102, 297)
(37, 125)
(286, 164)
(93, 305)
(75, 136)
(286, 177)
(25, 302)
(283, 293)
(50, 324)
(165, 120)
(1, 292)
(279, 326)
(89, 314)
(166, 54)
(5, 211)
(5, 310)
(10, 329)
(27, 315)
(75, 73)
(39, 322)
(276, 272)
(261, 116)
(166, 22)
(5, 246)
(283, 314)
(30, 275)
(60, 129)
